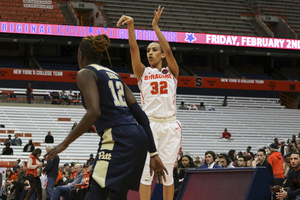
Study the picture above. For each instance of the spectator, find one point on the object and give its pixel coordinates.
(226, 134)
(294, 189)
(91, 159)
(74, 125)
(16, 166)
(49, 138)
(276, 141)
(20, 183)
(16, 141)
(10, 177)
(197, 161)
(241, 161)
(202, 106)
(64, 97)
(282, 148)
(276, 161)
(73, 172)
(64, 190)
(210, 157)
(67, 179)
(186, 163)
(34, 169)
(248, 152)
(8, 140)
(29, 93)
(225, 161)
(59, 180)
(294, 139)
(66, 166)
(29, 147)
(261, 161)
(192, 107)
(51, 170)
(287, 168)
(182, 106)
(70, 95)
(81, 192)
(224, 101)
(7, 150)
(232, 156)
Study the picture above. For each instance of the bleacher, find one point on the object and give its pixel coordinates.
(286, 9)
(220, 17)
(251, 121)
(17, 11)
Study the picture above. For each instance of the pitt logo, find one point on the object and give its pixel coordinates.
(104, 156)
(157, 76)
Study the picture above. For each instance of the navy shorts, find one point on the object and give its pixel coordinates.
(121, 158)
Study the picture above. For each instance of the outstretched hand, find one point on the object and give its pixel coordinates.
(56, 150)
(124, 20)
(157, 15)
(159, 170)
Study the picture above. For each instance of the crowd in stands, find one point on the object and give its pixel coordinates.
(29, 179)
(281, 161)
(29, 147)
(201, 106)
(63, 97)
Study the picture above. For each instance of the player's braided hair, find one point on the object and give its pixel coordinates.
(99, 44)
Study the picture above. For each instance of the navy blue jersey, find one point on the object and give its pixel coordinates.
(114, 110)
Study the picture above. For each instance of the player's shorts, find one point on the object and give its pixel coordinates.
(167, 136)
(121, 157)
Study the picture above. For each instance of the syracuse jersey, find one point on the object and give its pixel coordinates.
(158, 92)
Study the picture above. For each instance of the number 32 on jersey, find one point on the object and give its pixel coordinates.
(159, 87)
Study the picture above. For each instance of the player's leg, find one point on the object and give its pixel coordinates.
(169, 144)
(121, 195)
(145, 192)
(168, 192)
(96, 192)
(146, 180)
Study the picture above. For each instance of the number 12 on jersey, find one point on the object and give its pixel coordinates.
(159, 87)
(119, 95)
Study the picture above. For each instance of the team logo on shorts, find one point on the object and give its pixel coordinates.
(104, 156)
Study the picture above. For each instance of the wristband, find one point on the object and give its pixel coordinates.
(153, 154)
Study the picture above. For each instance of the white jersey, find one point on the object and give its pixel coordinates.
(158, 92)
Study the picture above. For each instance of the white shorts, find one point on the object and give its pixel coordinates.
(167, 137)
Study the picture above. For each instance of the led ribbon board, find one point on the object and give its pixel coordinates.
(149, 35)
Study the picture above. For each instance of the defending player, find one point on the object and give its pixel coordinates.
(111, 106)
(158, 84)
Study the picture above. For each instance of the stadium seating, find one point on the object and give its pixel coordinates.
(15, 11)
(286, 9)
(222, 17)
(251, 121)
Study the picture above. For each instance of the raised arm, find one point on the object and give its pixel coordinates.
(164, 43)
(137, 65)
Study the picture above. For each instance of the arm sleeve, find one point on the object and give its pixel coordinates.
(30, 165)
(143, 120)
